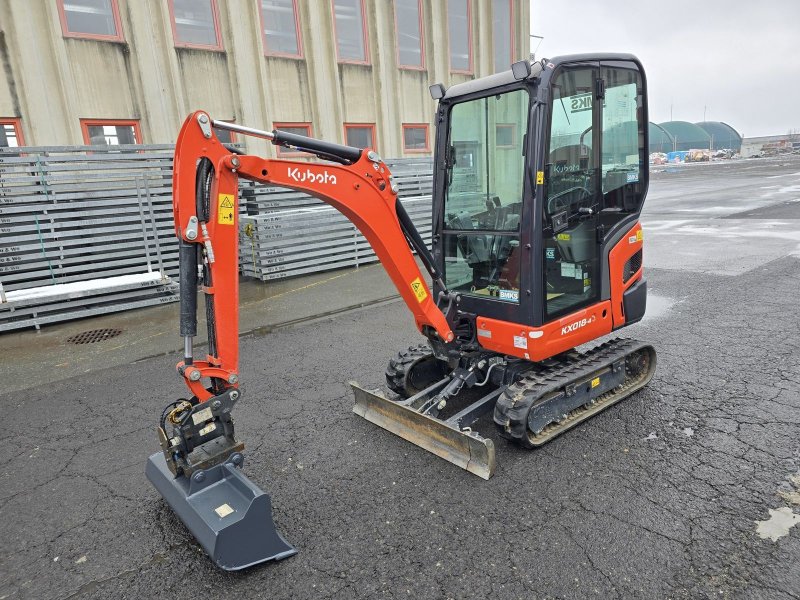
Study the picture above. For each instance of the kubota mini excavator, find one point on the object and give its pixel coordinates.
(540, 174)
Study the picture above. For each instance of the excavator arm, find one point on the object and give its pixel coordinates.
(205, 204)
(197, 470)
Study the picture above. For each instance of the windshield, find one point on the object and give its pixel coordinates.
(484, 192)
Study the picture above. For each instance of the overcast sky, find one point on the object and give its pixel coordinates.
(738, 58)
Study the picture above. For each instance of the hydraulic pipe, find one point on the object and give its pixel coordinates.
(188, 296)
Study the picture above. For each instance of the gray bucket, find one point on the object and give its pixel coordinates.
(227, 514)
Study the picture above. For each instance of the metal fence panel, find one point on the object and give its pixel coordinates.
(81, 214)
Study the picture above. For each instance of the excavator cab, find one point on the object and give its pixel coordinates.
(535, 179)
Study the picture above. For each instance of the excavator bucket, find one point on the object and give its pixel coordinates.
(229, 515)
(444, 438)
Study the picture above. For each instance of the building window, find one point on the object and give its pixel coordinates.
(195, 24)
(110, 132)
(297, 129)
(460, 32)
(415, 137)
(281, 28)
(351, 31)
(95, 19)
(359, 135)
(503, 34)
(408, 26)
(505, 135)
(226, 136)
(11, 133)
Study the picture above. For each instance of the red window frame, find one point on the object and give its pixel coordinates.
(296, 29)
(471, 69)
(513, 128)
(62, 15)
(370, 126)
(217, 31)
(510, 31)
(281, 124)
(424, 126)
(86, 123)
(232, 134)
(421, 42)
(364, 36)
(16, 123)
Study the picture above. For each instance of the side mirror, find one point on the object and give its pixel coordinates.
(521, 69)
(437, 91)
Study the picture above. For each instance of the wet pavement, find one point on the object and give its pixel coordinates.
(688, 489)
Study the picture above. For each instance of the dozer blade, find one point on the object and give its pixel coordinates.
(466, 449)
(229, 515)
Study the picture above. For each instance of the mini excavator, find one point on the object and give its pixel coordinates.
(540, 174)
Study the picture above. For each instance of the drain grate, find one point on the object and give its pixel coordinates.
(92, 336)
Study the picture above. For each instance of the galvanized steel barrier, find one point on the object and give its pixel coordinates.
(87, 230)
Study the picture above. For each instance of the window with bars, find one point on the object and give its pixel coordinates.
(281, 28)
(459, 32)
(10, 133)
(195, 24)
(110, 132)
(360, 135)
(98, 19)
(351, 36)
(415, 137)
(503, 34)
(408, 26)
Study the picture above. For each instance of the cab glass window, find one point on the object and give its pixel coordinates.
(571, 194)
(483, 202)
(623, 147)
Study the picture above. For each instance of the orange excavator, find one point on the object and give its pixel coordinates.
(540, 174)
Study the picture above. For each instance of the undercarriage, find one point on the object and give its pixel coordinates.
(438, 405)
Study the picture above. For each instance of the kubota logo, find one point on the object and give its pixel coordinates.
(308, 175)
(576, 325)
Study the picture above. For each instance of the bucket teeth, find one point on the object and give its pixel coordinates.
(465, 449)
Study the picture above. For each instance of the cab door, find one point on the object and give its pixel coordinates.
(573, 191)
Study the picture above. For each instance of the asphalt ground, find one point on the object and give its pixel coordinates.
(657, 497)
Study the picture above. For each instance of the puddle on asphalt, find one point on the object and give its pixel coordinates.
(780, 521)
(657, 306)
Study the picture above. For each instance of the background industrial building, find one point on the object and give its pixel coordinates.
(354, 71)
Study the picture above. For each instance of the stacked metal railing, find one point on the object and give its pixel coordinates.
(88, 230)
(84, 231)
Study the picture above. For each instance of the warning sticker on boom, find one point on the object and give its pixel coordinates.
(419, 290)
(225, 209)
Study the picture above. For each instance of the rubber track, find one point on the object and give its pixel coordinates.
(513, 406)
(399, 367)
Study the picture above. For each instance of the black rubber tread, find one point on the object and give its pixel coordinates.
(400, 367)
(514, 404)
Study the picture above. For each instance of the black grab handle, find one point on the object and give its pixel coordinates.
(323, 149)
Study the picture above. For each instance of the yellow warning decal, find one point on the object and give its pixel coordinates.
(639, 235)
(564, 237)
(419, 290)
(539, 177)
(595, 382)
(225, 209)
